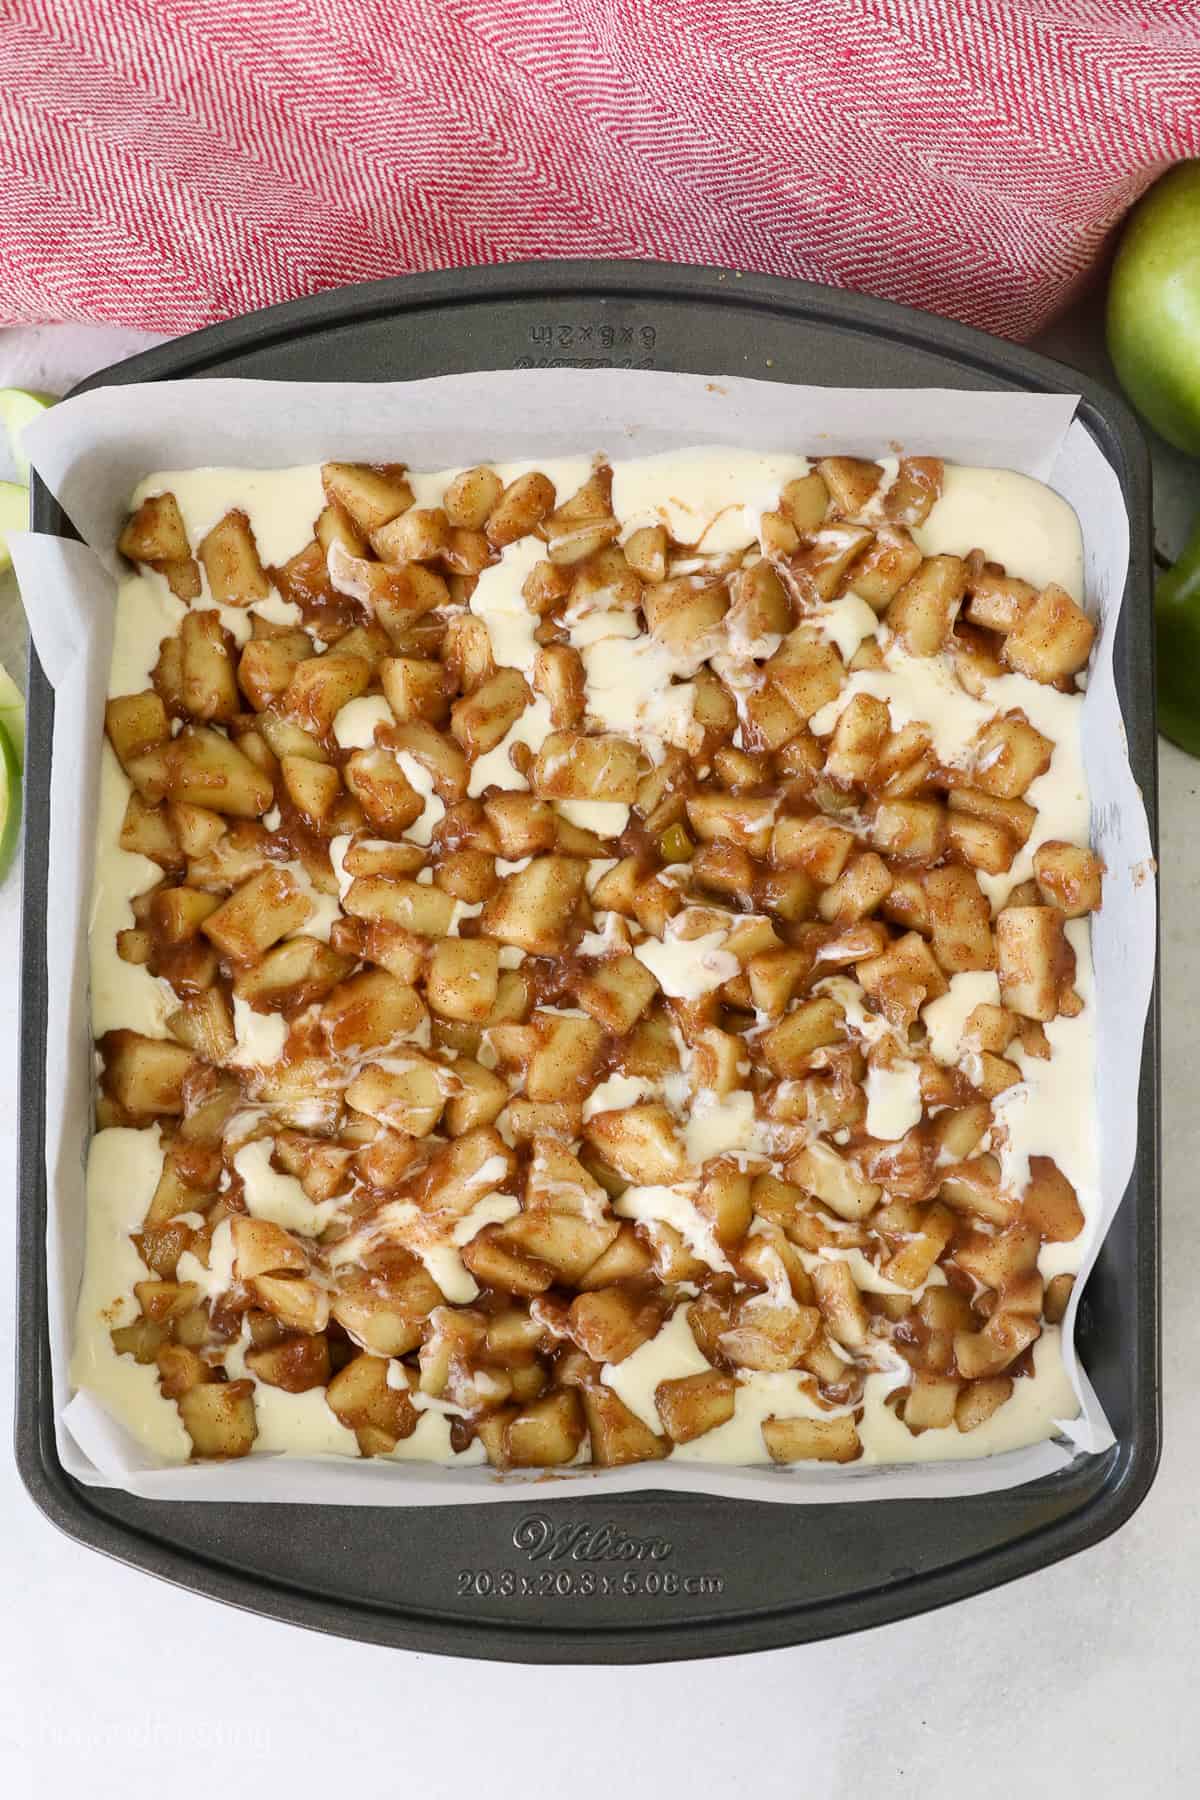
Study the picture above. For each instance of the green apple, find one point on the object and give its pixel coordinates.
(1177, 628)
(19, 408)
(14, 516)
(10, 800)
(12, 713)
(1154, 307)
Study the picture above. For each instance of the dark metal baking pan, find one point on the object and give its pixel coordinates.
(641, 1577)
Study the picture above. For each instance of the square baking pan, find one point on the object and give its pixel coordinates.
(647, 1576)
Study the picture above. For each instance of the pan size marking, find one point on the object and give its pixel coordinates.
(587, 1584)
(567, 1551)
(588, 344)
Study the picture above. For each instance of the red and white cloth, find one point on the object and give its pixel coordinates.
(167, 163)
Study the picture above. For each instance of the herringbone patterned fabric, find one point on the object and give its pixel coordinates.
(166, 163)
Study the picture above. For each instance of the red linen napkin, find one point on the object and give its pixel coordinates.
(166, 163)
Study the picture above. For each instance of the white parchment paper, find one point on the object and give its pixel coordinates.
(92, 451)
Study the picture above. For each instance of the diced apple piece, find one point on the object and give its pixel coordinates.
(498, 1264)
(739, 819)
(1033, 959)
(563, 1242)
(387, 1315)
(1052, 639)
(768, 1336)
(817, 845)
(298, 1303)
(321, 686)
(147, 831)
(463, 978)
(978, 1400)
(1009, 754)
(382, 789)
(1068, 877)
(787, 1047)
(364, 1401)
(851, 482)
(931, 1402)
(812, 1440)
(609, 1324)
(681, 613)
(547, 1433)
(973, 1186)
(820, 568)
(261, 911)
(618, 1436)
(204, 769)
(617, 993)
(230, 557)
(371, 494)
(724, 1199)
(471, 496)
(626, 1259)
(266, 666)
(805, 501)
(415, 688)
(295, 1364)
(372, 1009)
(219, 1418)
(857, 739)
(990, 1351)
(960, 920)
(693, 1405)
(409, 1098)
(1050, 1203)
(418, 535)
(913, 831)
(903, 978)
(145, 1076)
(807, 670)
(155, 533)
(571, 766)
(841, 1304)
(204, 1025)
(884, 568)
(209, 685)
(1057, 1298)
(640, 1141)
(292, 975)
(312, 787)
(836, 1182)
(562, 1065)
(136, 723)
(910, 1266)
(916, 489)
(480, 1098)
(261, 1247)
(923, 612)
(413, 905)
(980, 844)
(481, 719)
(534, 907)
(522, 506)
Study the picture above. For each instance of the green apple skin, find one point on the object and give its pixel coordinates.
(1154, 308)
(10, 821)
(1177, 630)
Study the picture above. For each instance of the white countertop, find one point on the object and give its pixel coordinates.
(111, 1681)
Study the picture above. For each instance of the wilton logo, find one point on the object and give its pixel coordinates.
(543, 1542)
